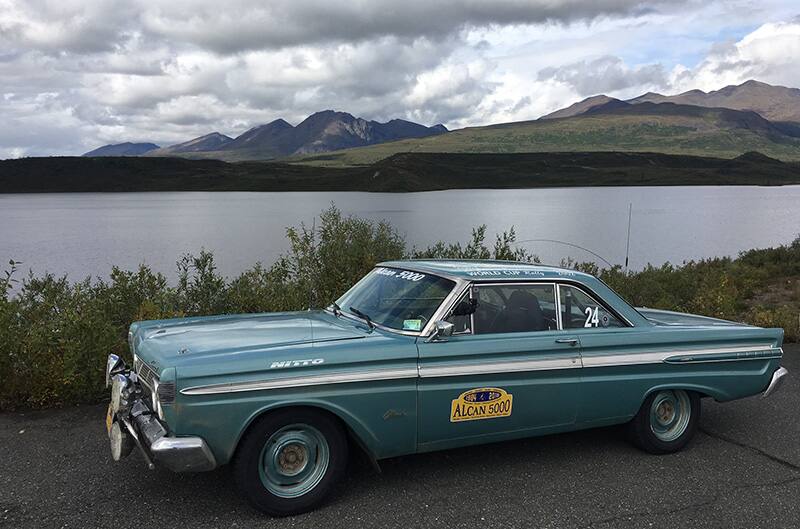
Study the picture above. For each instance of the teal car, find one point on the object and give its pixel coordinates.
(420, 356)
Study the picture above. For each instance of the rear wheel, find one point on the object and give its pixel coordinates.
(666, 422)
(289, 460)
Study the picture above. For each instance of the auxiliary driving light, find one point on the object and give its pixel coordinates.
(113, 365)
(119, 384)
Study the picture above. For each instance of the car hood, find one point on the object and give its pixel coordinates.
(164, 343)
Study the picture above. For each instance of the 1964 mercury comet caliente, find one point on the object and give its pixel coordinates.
(421, 356)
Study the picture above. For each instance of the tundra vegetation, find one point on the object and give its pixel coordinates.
(55, 333)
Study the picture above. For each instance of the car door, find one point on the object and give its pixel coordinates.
(607, 392)
(506, 372)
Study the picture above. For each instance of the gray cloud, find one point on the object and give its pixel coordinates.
(605, 74)
(78, 73)
(245, 24)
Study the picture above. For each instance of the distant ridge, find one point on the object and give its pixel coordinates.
(123, 149)
(320, 132)
(776, 103)
(209, 142)
(582, 107)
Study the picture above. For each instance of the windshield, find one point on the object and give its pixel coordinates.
(396, 298)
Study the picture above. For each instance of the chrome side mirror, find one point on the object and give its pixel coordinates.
(441, 331)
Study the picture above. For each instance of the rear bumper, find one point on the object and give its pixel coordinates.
(775, 383)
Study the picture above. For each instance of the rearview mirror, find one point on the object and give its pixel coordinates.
(441, 332)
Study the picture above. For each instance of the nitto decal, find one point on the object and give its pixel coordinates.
(296, 363)
(481, 403)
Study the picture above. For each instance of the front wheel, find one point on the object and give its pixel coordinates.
(289, 460)
(666, 422)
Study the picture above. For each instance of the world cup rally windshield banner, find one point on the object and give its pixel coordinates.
(481, 403)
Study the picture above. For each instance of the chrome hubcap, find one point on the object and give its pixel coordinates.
(669, 414)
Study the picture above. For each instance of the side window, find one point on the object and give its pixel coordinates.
(579, 310)
(514, 308)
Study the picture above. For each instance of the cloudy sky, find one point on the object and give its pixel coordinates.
(76, 74)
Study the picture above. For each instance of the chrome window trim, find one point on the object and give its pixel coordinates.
(532, 282)
(491, 282)
(559, 322)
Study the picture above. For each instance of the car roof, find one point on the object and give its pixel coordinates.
(478, 269)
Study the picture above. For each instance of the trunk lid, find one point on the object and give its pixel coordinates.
(671, 318)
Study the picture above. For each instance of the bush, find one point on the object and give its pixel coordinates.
(55, 335)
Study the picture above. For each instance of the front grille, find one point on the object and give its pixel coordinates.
(166, 392)
(146, 375)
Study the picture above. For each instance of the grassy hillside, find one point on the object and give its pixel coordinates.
(398, 173)
(664, 128)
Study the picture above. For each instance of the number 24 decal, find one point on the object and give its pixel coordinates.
(592, 319)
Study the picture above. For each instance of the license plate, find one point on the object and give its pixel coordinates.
(109, 419)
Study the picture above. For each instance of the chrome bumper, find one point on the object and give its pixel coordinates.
(775, 383)
(130, 421)
(179, 454)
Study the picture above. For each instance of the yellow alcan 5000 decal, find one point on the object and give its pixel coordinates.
(481, 403)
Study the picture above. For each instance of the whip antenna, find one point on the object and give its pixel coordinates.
(628, 243)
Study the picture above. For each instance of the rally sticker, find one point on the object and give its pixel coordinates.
(481, 403)
(412, 325)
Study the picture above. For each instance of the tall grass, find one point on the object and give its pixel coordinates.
(55, 333)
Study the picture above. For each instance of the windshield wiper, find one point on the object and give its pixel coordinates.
(363, 317)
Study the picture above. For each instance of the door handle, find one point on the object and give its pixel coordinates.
(571, 341)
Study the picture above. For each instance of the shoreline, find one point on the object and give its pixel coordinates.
(401, 173)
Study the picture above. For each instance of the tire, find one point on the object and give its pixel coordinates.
(289, 460)
(666, 422)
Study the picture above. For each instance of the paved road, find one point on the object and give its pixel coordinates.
(742, 470)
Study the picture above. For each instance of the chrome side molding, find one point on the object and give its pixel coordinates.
(775, 383)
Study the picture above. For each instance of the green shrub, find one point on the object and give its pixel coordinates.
(55, 335)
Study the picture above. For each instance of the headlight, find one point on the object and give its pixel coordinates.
(113, 364)
(119, 384)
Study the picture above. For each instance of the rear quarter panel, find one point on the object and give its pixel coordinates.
(622, 367)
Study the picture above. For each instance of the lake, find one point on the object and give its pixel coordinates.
(85, 234)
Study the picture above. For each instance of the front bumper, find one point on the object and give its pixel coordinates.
(130, 421)
(179, 454)
(775, 384)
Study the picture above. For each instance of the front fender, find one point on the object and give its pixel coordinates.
(363, 433)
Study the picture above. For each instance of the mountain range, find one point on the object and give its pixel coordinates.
(725, 123)
(123, 149)
(320, 132)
